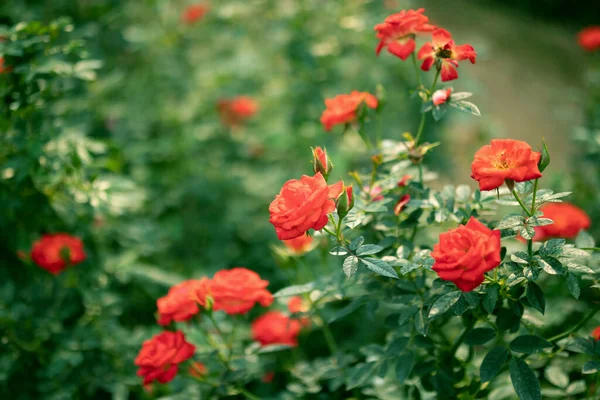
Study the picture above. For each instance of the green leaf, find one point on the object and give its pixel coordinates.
(349, 309)
(584, 240)
(368, 249)
(479, 336)
(590, 367)
(294, 290)
(545, 158)
(520, 257)
(443, 304)
(573, 285)
(466, 107)
(575, 388)
(397, 346)
(359, 375)
(524, 380)
(338, 251)
(350, 266)
(356, 243)
(535, 297)
(421, 322)
(529, 344)
(460, 96)
(556, 376)
(439, 111)
(552, 266)
(491, 298)
(510, 222)
(426, 107)
(273, 348)
(404, 366)
(492, 363)
(379, 267)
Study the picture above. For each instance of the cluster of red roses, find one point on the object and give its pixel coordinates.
(235, 291)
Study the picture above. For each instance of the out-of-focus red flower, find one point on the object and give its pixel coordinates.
(441, 96)
(404, 181)
(300, 245)
(466, 253)
(302, 205)
(3, 68)
(342, 108)
(179, 304)
(596, 333)
(375, 193)
(268, 377)
(275, 327)
(504, 159)
(236, 111)
(401, 204)
(589, 38)
(398, 31)
(297, 305)
(568, 219)
(56, 251)
(194, 13)
(443, 49)
(197, 369)
(237, 290)
(159, 357)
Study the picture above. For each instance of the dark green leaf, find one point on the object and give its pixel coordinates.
(552, 266)
(350, 266)
(421, 324)
(524, 380)
(368, 249)
(479, 336)
(359, 375)
(590, 367)
(338, 251)
(573, 285)
(529, 344)
(439, 111)
(349, 309)
(492, 363)
(443, 304)
(545, 158)
(404, 366)
(491, 298)
(535, 297)
(397, 346)
(379, 267)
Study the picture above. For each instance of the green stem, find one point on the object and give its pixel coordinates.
(521, 203)
(331, 344)
(435, 80)
(378, 130)
(535, 187)
(330, 232)
(575, 328)
(419, 130)
(247, 394)
(417, 71)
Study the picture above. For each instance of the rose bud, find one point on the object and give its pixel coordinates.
(401, 204)
(321, 162)
(345, 202)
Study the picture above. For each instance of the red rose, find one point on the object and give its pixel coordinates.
(443, 49)
(568, 219)
(401, 204)
(236, 111)
(275, 327)
(197, 369)
(397, 32)
(342, 108)
(441, 96)
(56, 251)
(504, 159)
(300, 245)
(178, 305)
(194, 13)
(235, 291)
(302, 205)
(596, 333)
(466, 253)
(160, 355)
(589, 38)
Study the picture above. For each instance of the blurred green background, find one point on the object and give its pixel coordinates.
(129, 153)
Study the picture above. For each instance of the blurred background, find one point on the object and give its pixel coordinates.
(116, 137)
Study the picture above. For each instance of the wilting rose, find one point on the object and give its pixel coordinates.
(54, 252)
(466, 253)
(342, 109)
(504, 159)
(568, 219)
(159, 357)
(237, 290)
(302, 205)
(275, 327)
(178, 305)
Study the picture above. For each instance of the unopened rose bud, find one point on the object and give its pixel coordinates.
(345, 202)
(321, 162)
(401, 204)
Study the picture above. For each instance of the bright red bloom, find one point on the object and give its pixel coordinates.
(568, 219)
(589, 38)
(596, 333)
(197, 369)
(159, 357)
(300, 245)
(441, 96)
(237, 290)
(342, 108)
(505, 159)
(56, 251)
(466, 253)
(404, 181)
(194, 13)
(275, 327)
(302, 205)
(442, 48)
(236, 111)
(397, 32)
(178, 305)
(401, 204)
